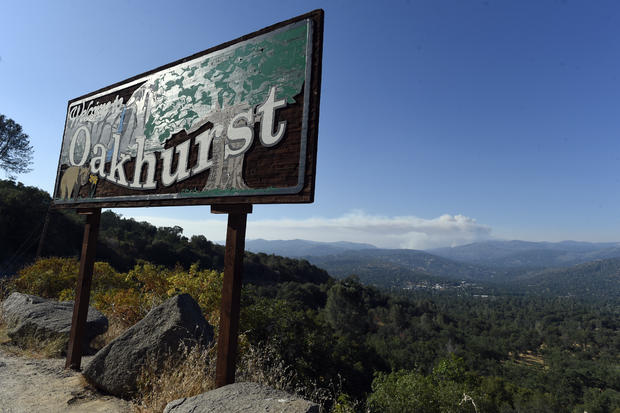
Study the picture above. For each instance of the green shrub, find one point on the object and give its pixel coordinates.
(448, 389)
(205, 286)
(56, 278)
(126, 297)
(402, 392)
(48, 277)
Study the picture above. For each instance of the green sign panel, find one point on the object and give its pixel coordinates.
(237, 123)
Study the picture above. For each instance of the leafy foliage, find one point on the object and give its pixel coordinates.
(508, 354)
(124, 297)
(345, 344)
(15, 148)
(122, 242)
(22, 215)
(353, 347)
(56, 278)
(449, 388)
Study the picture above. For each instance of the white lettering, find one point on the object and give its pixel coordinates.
(142, 159)
(117, 166)
(268, 109)
(181, 173)
(86, 148)
(204, 142)
(97, 163)
(81, 113)
(240, 133)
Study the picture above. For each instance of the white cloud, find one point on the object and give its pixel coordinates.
(356, 226)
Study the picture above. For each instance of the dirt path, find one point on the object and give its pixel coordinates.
(43, 385)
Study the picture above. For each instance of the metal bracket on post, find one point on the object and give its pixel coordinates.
(82, 291)
(231, 291)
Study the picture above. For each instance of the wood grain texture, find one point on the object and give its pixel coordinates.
(82, 293)
(231, 299)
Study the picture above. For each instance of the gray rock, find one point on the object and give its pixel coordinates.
(242, 398)
(162, 332)
(30, 316)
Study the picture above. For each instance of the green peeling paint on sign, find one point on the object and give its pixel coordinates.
(239, 76)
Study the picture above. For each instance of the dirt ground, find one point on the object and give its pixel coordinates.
(32, 385)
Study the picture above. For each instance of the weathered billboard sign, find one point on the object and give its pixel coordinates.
(237, 123)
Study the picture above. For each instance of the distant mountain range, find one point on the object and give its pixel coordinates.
(523, 254)
(299, 248)
(562, 268)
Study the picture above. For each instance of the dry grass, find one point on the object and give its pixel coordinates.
(186, 374)
(264, 365)
(115, 328)
(4, 338)
(6, 287)
(49, 348)
(193, 373)
(4, 292)
(531, 359)
(33, 346)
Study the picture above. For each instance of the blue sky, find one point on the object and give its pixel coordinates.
(442, 122)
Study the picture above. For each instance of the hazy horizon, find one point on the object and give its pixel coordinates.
(382, 232)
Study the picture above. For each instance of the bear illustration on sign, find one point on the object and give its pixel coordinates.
(73, 178)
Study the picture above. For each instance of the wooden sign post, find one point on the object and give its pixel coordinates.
(231, 291)
(231, 126)
(82, 293)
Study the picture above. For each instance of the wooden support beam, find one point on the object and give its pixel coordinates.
(231, 209)
(46, 224)
(82, 292)
(231, 291)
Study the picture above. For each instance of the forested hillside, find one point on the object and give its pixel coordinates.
(348, 262)
(596, 280)
(122, 242)
(350, 346)
(22, 215)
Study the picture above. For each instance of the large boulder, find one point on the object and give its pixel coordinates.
(176, 323)
(30, 317)
(242, 397)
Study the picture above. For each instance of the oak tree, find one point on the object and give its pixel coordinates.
(15, 148)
